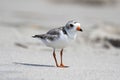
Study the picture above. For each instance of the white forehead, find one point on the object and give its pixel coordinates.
(77, 24)
(73, 22)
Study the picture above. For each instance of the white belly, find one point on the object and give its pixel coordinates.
(62, 42)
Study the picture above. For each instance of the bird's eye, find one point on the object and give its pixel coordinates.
(71, 25)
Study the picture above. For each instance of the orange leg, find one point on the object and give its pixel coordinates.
(61, 64)
(54, 55)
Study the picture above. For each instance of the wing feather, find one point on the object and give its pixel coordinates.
(51, 35)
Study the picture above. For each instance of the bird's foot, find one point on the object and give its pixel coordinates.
(57, 65)
(62, 66)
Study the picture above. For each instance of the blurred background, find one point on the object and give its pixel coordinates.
(99, 18)
(97, 47)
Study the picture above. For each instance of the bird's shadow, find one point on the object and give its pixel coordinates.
(36, 65)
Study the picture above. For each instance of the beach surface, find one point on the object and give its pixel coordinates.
(93, 56)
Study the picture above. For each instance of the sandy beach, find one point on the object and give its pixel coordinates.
(95, 55)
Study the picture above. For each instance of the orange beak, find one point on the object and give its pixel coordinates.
(79, 29)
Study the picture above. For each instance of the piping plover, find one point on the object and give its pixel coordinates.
(59, 38)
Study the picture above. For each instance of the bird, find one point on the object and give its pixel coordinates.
(60, 38)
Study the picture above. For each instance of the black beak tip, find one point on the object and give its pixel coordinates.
(81, 30)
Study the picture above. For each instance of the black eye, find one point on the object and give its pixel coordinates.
(71, 25)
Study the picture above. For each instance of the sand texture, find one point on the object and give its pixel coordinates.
(95, 55)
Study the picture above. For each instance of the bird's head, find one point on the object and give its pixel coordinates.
(73, 26)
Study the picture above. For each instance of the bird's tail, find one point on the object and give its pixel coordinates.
(38, 36)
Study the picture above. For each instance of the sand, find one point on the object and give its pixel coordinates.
(25, 58)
